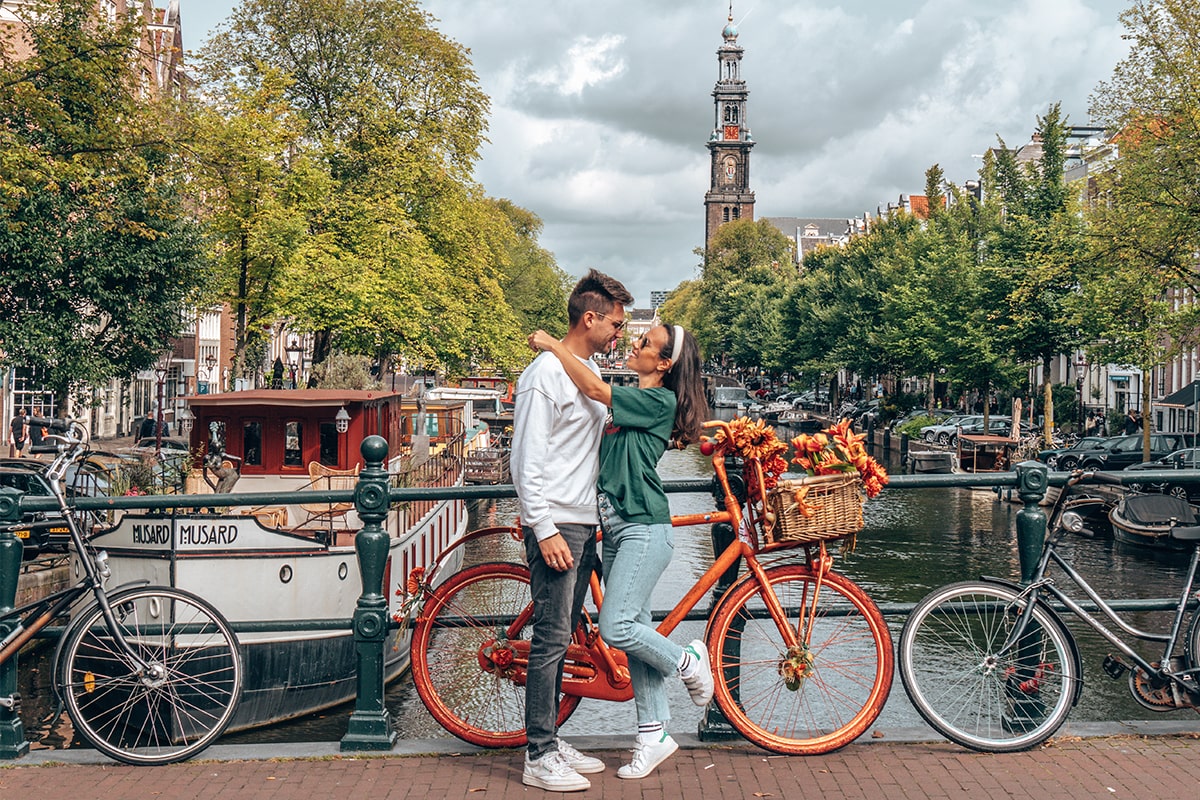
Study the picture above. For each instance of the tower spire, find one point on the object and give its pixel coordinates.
(729, 196)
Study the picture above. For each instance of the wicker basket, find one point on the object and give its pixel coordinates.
(835, 502)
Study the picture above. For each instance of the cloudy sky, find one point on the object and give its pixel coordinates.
(601, 110)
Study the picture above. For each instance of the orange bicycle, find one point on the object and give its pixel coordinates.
(802, 657)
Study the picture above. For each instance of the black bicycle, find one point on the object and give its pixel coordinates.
(990, 664)
(148, 674)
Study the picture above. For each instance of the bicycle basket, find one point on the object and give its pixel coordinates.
(816, 508)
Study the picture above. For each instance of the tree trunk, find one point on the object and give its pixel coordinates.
(1146, 414)
(1048, 405)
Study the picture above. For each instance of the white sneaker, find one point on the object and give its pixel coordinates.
(552, 773)
(578, 761)
(700, 683)
(648, 753)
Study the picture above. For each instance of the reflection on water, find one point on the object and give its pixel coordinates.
(914, 540)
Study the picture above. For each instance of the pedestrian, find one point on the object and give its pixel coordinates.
(17, 432)
(666, 408)
(36, 432)
(1089, 425)
(554, 462)
(1132, 423)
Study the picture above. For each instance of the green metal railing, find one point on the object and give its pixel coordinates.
(370, 727)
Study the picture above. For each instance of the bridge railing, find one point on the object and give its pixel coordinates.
(370, 726)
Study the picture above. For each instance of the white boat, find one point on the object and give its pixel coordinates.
(287, 561)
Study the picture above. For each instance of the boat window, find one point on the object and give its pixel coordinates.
(252, 443)
(293, 444)
(329, 444)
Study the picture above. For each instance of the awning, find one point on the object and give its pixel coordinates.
(1187, 397)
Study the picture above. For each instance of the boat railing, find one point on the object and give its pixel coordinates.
(374, 495)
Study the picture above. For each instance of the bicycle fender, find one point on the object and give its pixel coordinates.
(1054, 615)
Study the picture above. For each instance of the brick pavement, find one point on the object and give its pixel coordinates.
(1122, 766)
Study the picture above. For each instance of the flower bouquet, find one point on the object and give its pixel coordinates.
(827, 503)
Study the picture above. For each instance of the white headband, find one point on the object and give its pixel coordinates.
(675, 348)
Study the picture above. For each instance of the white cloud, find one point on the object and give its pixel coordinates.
(589, 62)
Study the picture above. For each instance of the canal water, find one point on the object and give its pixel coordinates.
(914, 541)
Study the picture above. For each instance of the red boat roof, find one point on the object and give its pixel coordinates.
(311, 398)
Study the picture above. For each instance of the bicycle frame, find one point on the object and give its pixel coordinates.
(70, 446)
(1033, 594)
(587, 662)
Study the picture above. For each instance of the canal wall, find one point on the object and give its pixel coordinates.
(41, 579)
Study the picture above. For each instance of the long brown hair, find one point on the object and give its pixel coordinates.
(685, 380)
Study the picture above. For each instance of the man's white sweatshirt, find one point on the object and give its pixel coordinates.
(555, 447)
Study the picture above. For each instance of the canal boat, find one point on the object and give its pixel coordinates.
(931, 462)
(1146, 520)
(267, 566)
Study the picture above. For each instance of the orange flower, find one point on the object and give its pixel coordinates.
(839, 449)
(413, 585)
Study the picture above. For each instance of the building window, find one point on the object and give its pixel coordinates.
(737, 212)
(725, 214)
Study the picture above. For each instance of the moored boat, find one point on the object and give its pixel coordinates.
(267, 566)
(931, 462)
(1146, 520)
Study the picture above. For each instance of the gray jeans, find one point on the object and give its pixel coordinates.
(557, 603)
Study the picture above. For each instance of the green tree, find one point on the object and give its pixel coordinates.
(1145, 209)
(98, 255)
(745, 266)
(1033, 255)
(400, 254)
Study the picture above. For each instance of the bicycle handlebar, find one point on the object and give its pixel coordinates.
(51, 424)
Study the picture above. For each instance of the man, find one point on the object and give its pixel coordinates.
(554, 461)
(16, 440)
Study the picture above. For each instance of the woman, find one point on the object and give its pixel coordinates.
(666, 408)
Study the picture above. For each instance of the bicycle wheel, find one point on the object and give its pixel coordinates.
(174, 708)
(970, 693)
(470, 647)
(818, 697)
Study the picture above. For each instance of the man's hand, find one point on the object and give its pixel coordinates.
(556, 553)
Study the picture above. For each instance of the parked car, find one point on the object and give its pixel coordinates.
(1051, 456)
(996, 426)
(148, 446)
(917, 413)
(942, 431)
(1122, 451)
(1188, 489)
(39, 531)
(813, 398)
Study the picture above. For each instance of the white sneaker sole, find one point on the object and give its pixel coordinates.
(533, 780)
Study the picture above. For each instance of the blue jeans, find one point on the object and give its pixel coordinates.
(635, 557)
(557, 604)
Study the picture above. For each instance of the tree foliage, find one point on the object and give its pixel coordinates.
(1145, 209)
(367, 230)
(99, 257)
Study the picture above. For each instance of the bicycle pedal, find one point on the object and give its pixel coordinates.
(1114, 666)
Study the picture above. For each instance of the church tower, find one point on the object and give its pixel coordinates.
(729, 196)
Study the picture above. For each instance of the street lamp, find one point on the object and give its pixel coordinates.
(293, 349)
(341, 420)
(210, 361)
(185, 418)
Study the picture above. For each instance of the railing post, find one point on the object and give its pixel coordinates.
(12, 732)
(370, 725)
(1032, 480)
